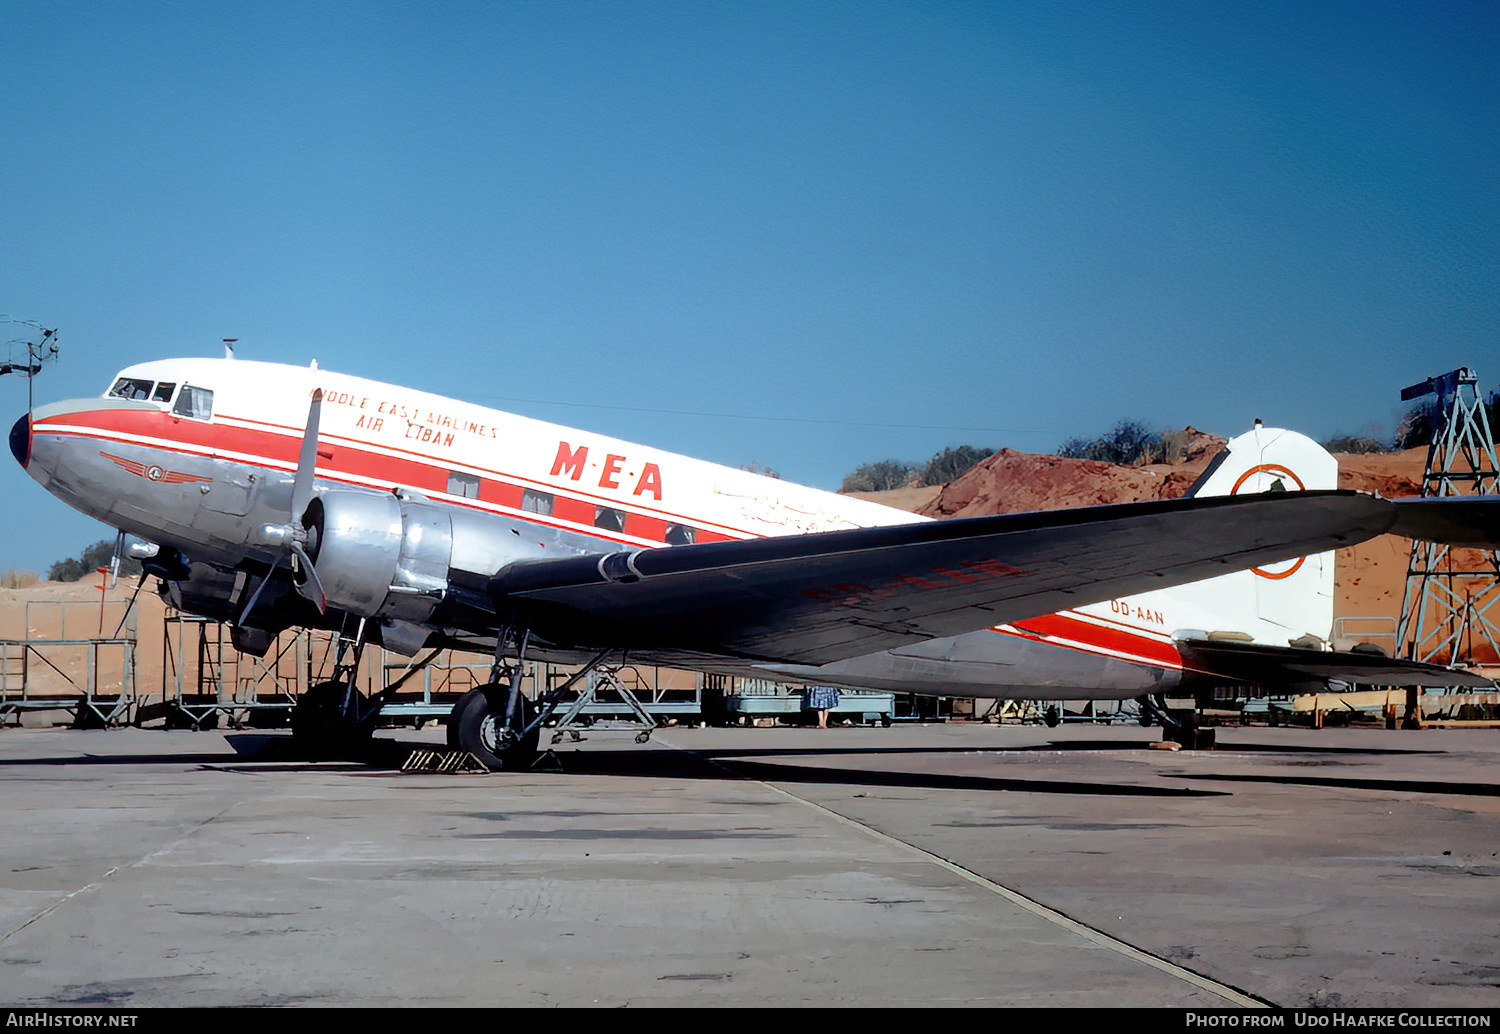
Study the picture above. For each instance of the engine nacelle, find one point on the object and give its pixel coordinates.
(356, 546)
(378, 555)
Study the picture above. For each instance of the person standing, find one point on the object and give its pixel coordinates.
(821, 699)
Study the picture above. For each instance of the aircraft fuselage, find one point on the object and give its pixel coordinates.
(198, 456)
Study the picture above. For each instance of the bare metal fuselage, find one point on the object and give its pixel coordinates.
(461, 491)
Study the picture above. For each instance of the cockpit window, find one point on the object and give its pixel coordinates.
(197, 403)
(130, 388)
(163, 392)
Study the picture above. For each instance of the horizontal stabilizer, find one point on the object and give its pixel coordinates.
(1271, 666)
(1472, 521)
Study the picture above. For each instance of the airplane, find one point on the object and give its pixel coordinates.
(271, 496)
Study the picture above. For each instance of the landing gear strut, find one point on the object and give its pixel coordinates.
(496, 723)
(1178, 724)
(327, 725)
(332, 720)
(480, 724)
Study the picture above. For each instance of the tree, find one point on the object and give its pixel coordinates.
(1422, 420)
(952, 464)
(1418, 424)
(879, 477)
(1354, 443)
(1129, 441)
(94, 557)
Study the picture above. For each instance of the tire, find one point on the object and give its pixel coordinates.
(1183, 728)
(1052, 716)
(320, 729)
(474, 726)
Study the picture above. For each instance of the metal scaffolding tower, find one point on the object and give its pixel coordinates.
(1450, 605)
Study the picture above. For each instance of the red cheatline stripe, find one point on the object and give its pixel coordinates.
(191, 437)
(1084, 615)
(1063, 630)
(515, 479)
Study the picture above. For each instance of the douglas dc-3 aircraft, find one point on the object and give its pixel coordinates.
(273, 496)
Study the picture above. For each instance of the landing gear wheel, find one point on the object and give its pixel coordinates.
(477, 725)
(323, 731)
(1188, 732)
(1052, 716)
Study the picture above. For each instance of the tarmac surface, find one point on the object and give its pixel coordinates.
(956, 864)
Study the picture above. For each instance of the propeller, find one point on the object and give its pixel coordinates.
(292, 536)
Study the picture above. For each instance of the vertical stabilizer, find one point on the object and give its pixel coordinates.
(1278, 603)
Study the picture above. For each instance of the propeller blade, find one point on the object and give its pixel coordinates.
(250, 605)
(310, 586)
(290, 536)
(307, 459)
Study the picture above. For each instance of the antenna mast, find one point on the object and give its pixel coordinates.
(41, 349)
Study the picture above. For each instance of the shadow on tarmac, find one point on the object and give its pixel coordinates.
(272, 752)
(646, 762)
(1392, 785)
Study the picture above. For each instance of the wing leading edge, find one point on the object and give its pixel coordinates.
(813, 599)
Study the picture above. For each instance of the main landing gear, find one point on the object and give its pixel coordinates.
(1178, 724)
(484, 724)
(333, 720)
(496, 723)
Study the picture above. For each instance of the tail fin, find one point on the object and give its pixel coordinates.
(1268, 459)
(1279, 603)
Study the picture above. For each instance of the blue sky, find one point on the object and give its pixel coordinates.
(800, 235)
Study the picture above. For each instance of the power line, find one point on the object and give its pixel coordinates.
(768, 419)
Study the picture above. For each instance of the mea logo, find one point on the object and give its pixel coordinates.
(573, 462)
(1271, 477)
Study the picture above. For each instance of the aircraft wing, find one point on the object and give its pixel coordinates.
(1277, 665)
(813, 599)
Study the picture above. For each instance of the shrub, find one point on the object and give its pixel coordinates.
(879, 477)
(952, 464)
(1128, 442)
(94, 557)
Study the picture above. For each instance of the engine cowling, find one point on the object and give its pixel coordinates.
(382, 556)
(355, 543)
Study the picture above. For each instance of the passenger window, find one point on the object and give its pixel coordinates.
(681, 535)
(130, 388)
(197, 403)
(466, 486)
(163, 392)
(609, 519)
(536, 502)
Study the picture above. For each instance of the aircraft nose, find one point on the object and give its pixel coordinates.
(20, 440)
